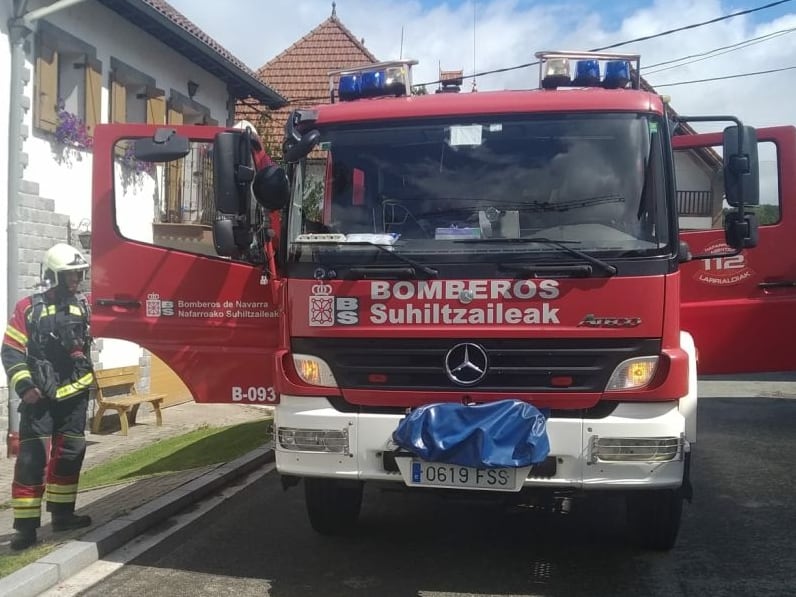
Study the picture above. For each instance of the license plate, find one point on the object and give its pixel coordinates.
(434, 474)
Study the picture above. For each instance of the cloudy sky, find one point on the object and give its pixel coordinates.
(482, 35)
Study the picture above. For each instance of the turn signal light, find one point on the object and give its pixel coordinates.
(314, 371)
(633, 374)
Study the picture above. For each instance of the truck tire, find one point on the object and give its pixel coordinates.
(333, 506)
(654, 517)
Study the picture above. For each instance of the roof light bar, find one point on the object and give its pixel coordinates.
(372, 80)
(620, 70)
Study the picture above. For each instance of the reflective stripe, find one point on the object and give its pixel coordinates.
(26, 507)
(26, 502)
(75, 310)
(75, 387)
(61, 494)
(19, 376)
(15, 334)
(47, 311)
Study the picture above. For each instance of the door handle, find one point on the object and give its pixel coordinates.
(130, 303)
(778, 284)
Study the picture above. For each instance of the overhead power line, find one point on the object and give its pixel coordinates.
(683, 61)
(616, 45)
(693, 26)
(630, 41)
(735, 76)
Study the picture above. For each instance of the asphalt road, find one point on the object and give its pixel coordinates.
(737, 538)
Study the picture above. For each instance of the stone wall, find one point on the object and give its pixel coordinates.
(38, 229)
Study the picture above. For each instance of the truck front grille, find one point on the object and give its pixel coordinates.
(518, 365)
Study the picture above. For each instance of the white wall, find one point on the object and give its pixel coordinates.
(691, 174)
(69, 184)
(5, 72)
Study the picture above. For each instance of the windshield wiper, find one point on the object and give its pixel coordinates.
(581, 270)
(428, 271)
(525, 206)
(561, 244)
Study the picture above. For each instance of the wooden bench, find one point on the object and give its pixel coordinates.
(115, 389)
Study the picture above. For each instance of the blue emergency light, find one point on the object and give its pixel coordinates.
(587, 73)
(373, 80)
(349, 88)
(554, 70)
(617, 74)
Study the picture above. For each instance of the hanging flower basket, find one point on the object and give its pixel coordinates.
(71, 131)
(132, 169)
(130, 162)
(71, 137)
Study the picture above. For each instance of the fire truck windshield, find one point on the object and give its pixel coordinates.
(420, 186)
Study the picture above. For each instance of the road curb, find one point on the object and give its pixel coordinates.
(75, 555)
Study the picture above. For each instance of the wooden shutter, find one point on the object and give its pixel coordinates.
(46, 116)
(118, 100)
(174, 177)
(156, 110)
(175, 117)
(93, 96)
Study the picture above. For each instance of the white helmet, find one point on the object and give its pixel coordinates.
(60, 258)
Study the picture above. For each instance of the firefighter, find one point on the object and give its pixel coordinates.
(46, 355)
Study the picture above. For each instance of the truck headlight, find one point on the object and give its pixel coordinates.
(314, 371)
(632, 374)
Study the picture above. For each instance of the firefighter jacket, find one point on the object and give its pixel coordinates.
(46, 345)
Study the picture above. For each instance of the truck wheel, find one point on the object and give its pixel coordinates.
(654, 517)
(333, 506)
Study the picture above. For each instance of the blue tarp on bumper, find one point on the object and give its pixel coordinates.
(507, 433)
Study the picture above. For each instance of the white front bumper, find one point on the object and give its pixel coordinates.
(570, 443)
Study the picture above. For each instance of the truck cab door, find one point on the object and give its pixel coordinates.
(157, 281)
(741, 310)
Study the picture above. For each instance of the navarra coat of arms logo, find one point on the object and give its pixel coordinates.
(321, 306)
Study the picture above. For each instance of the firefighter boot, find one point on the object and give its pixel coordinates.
(23, 539)
(68, 522)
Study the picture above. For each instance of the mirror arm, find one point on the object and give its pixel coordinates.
(717, 255)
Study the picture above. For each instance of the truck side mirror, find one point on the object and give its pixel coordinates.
(741, 230)
(164, 146)
(271, 188)
(233, 173)
(741, 170)
(293, 152)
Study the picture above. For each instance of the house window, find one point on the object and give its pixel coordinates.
(185, 110)
(188, 185)
(134, 97)
(68, 77)
(700, 187)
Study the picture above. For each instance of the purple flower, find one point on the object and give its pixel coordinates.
(71, 130)
(129, 160)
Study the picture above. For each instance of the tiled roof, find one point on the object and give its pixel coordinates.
(170, 26)
(301, 72)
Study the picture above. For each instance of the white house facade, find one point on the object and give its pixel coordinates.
(67, 66)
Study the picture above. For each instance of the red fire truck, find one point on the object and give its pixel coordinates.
(474, 249)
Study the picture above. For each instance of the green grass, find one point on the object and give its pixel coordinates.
(15, 561)
(202, 447)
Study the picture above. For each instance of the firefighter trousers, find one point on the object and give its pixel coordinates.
(52, 445)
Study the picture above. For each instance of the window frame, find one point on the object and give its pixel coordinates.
(123, 76)
(53, 43)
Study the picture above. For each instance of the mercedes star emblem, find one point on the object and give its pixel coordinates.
(466, 364)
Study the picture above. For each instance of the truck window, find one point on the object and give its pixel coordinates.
(169, 205)
(587, 179)
(700, 187)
